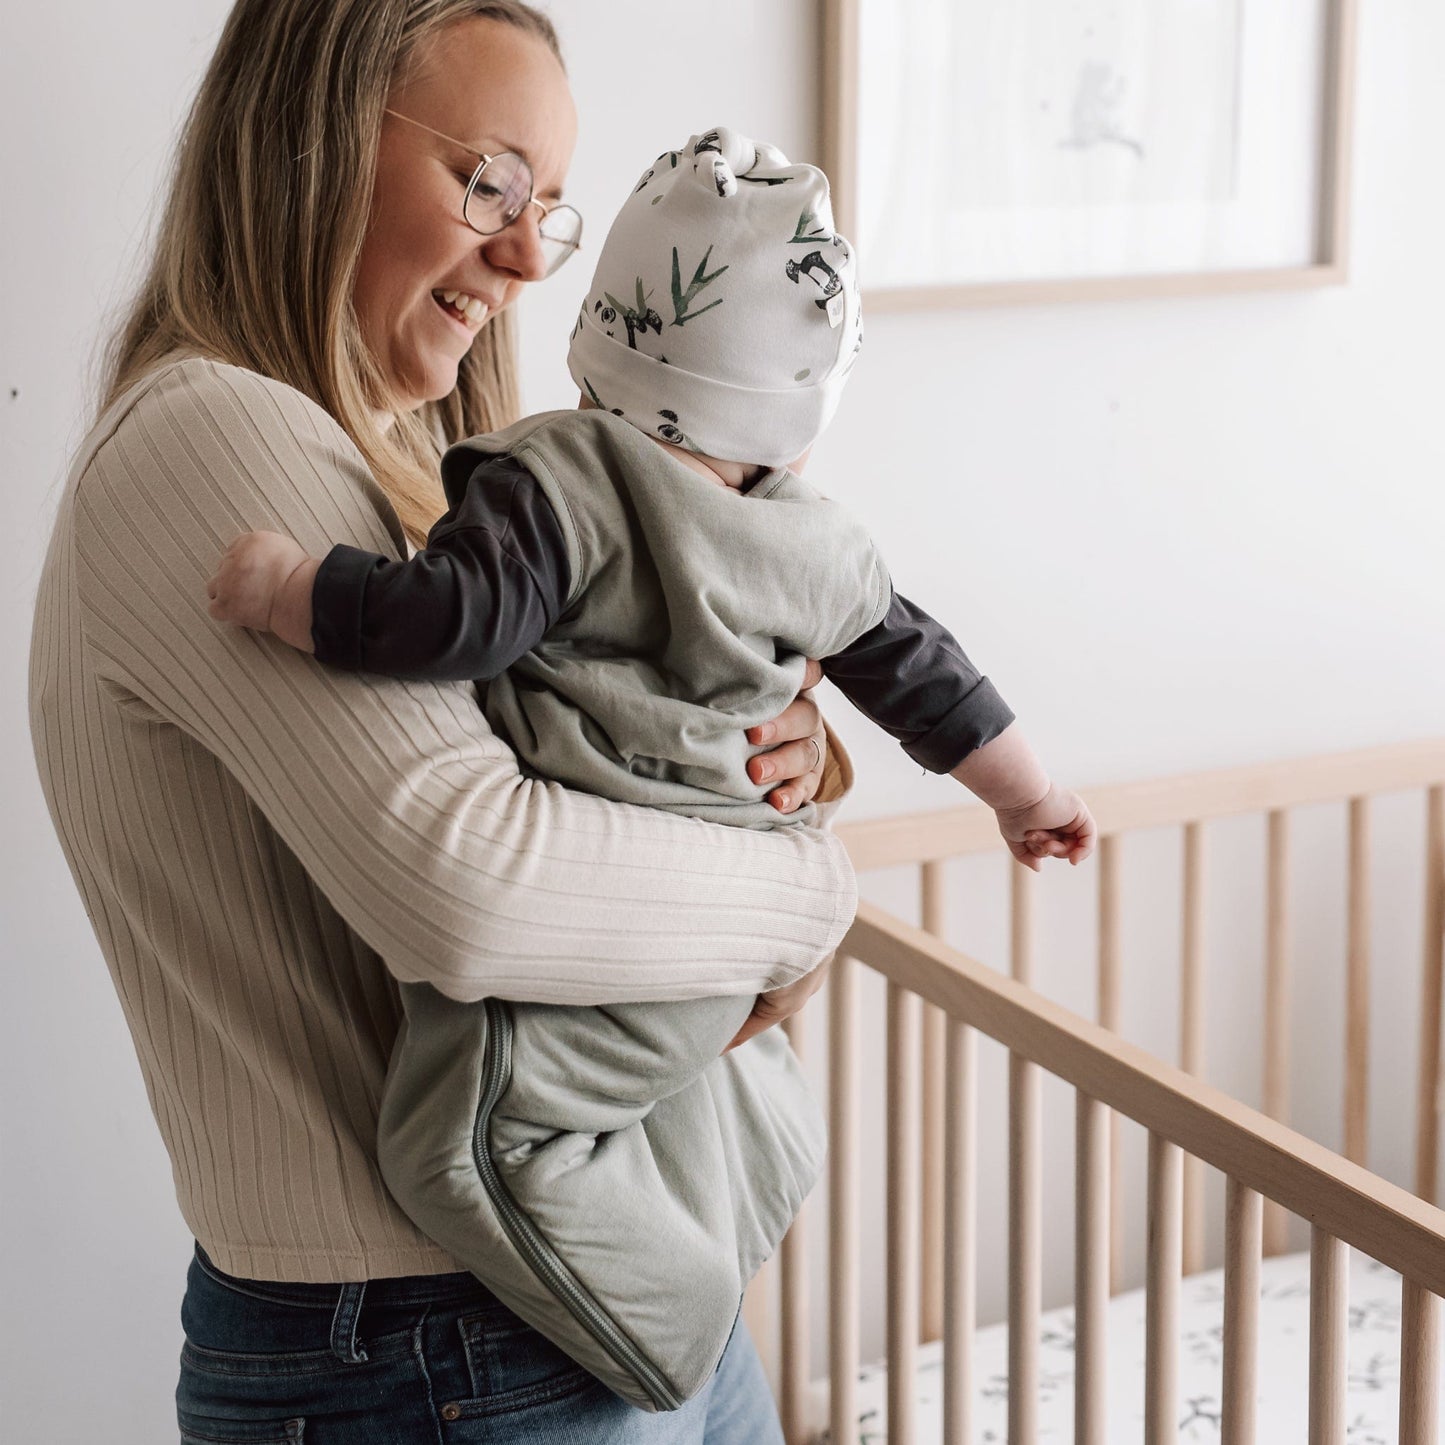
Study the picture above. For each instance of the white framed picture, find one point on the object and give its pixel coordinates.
(998, 150)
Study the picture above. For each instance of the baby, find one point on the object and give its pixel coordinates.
(636, 583)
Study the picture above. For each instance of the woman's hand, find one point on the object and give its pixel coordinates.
(772, 1008)
(795, 768)
(795, 765)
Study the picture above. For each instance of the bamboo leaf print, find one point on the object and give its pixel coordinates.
(682, 299)
(636, 318)
(597, 400)
(808, 230)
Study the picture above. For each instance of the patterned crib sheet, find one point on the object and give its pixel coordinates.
(1372, 1399)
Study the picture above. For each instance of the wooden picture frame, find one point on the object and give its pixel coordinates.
(1326, 266)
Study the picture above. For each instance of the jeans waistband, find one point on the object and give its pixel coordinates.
(402, 1291)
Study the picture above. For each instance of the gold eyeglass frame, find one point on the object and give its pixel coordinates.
(484, 160)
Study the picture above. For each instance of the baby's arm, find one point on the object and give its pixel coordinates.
(909, 675)
(484, 591)
(1038, 819)
(264, 582)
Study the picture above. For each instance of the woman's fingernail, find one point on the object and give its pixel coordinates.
(784, 802)
(765, 771)
(765, 732)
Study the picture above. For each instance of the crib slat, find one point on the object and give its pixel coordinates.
(1329, 1298)
(1357, 988)
(1021, 923)
(1243, 1231)
(1161, 1300)
(1025, 1215)
(1025, 1250)
(1278, 943)
(1091, 1269)
(1191, 1031)
(1427, 1109)
(1110, 973)
(795, 1345)
(902, 1228)
(930, 1322)
(960, 1235)
(843, 1244)
(1419, 1365)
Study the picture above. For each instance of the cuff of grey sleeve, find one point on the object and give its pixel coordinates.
(977, 718)
(338, 597)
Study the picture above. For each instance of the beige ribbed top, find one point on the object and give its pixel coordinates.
(253, 834)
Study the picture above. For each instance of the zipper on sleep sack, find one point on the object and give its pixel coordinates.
(544, 1260)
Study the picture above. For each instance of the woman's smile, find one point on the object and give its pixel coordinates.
(464, 309)
(498, 89)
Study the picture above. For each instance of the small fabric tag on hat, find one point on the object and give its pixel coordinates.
(835, 310)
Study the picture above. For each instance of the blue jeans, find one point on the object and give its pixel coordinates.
(423, 1358)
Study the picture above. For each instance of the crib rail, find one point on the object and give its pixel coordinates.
(1394, 1226)
(1194, 797)
(1262, 1159)
(1190, 803)
(939, 1001)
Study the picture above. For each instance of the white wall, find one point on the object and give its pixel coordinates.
(1177, 533)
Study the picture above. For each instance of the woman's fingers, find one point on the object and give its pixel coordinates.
(796, 770)
(799, 788)
(800, 719)
(781, 1003)
(793, 763)
(793, 794)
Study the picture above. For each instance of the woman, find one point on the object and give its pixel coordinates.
(264, 846)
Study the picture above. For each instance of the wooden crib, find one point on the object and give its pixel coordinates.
(939, 1003)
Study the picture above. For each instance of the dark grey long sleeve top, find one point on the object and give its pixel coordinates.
(494, 578)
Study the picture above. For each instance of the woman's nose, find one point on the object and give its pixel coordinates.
(518, 249)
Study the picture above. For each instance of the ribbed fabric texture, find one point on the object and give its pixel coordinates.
(253, 834)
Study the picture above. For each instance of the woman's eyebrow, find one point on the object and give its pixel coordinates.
(552, 193)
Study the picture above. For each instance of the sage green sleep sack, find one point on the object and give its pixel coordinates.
(606, 1171)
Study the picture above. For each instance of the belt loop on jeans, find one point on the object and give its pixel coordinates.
(343, 1325)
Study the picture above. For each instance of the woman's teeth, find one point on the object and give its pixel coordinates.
(474, 312)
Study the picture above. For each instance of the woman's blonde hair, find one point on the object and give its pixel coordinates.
(258, 244)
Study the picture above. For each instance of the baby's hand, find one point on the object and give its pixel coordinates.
(264, 582)
(1059, 825)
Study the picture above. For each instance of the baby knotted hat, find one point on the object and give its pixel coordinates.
(724, 313)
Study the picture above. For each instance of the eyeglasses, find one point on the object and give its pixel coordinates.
(500, 190)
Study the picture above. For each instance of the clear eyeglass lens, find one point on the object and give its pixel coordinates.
(554, 255)
(560, 230)
(561, 224)
(500, 191)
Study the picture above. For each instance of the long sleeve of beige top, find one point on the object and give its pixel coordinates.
(254, 834)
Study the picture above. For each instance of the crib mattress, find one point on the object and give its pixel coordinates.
(1372, 1403)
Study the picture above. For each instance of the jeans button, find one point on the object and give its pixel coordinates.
(451, 1412)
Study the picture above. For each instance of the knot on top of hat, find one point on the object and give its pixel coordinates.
(722, 156)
